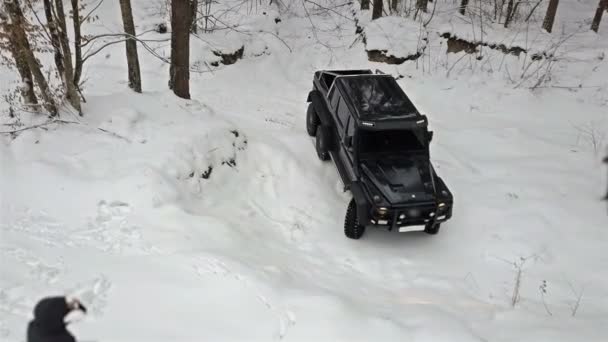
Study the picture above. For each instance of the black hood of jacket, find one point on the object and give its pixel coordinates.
(49, 324)
(401, 180)
(49, 314)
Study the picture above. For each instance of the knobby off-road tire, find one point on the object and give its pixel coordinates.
(312, 120)
(432, 229)
(321, 141)
(352, 228)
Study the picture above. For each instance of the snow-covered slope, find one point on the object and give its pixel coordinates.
(213, 219)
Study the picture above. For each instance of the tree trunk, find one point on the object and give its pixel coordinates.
(24, 49)
(601, 7)
(180, 47)
(377, 11)
(364, 4)
(422, 5)
(550, 16)
(463, 6)
(511, 11)
(68, 76)
(394, 6)
(77, 43)
(131, 46)
(193, 12)
(52, 25)
(27, 87)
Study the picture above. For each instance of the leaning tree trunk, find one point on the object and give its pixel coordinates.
(52, 25)
(27, 88)
(68, 75)
(364, 4)
(77, 43)
(550, 16)
(180, 47)
(131, 46)
(377, 11)
(463, 6)
(24, 49)
(601, 7)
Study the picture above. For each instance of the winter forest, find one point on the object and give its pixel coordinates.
(155, 165)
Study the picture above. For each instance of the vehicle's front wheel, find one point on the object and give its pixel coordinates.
(352, 227)
(432, 228)
(321, 143)
(312, 120)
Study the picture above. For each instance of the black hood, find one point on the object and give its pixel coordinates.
(401, 180)
(49, 314)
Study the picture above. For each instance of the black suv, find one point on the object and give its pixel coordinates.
(379, 143)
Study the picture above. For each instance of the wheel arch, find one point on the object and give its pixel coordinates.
(361, 201)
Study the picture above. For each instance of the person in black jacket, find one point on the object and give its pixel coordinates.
(48, 324)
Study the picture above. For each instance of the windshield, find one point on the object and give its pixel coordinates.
(391, 141)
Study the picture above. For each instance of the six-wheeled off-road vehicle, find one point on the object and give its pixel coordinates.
(379, 143)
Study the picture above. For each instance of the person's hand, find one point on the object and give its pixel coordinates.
(75, 304)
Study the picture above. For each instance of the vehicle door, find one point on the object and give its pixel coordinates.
(346, 133)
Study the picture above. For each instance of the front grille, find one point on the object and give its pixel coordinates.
(414, 215)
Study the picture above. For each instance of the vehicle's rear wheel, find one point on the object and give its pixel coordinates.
(321, 143)
(432, 228)
(312, 120)
(352, 227)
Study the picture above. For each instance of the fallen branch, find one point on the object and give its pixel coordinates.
(39, 125)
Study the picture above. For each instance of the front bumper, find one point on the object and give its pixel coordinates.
(412, 216)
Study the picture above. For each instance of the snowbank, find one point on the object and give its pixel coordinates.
(214, 219)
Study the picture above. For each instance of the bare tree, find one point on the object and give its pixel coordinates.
(24, 51)
(364, 4)
(422, 5)
(27, 88)
(511, 11)
(601, 7)
(193, 12)
(550, 16)
(131, 46)
(377, 11)
(463, 6)
(54, 35)
(394, 6)
(180, 48)
(77, 42)
(68, 76)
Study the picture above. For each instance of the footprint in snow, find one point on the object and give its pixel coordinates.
(43, 271)
(111, 230)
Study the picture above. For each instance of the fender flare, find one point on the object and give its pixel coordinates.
(320, 107)
(361, 201)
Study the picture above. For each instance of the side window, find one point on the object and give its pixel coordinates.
(333, 98)
(343, 113)
(350, 129)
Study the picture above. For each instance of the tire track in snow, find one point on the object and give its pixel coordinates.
(211, 266)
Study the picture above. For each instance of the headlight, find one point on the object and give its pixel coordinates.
(382, 211)
(441, 205)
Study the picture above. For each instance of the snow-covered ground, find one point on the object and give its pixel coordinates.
(213, 219)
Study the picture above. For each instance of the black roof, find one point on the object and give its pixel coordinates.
(375, 97)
